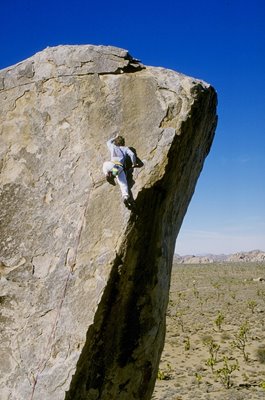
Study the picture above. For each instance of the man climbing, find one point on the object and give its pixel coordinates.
(116, 167)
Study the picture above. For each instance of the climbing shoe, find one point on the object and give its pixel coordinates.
(129, 203)
(126, 201)
(110, 179)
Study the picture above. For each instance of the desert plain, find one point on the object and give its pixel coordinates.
(215, 338)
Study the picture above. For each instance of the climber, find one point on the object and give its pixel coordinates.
(116, 167)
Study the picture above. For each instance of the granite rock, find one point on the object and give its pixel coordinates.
(84, 281)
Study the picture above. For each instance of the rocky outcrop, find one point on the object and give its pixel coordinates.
(193, 259)
(84, 281)
(248, 256)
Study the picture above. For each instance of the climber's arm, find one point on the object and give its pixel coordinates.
(110, 143)
(132, 157)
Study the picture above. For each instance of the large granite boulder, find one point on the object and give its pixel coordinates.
(84, 281)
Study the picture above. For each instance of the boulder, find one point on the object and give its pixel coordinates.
(85, 281)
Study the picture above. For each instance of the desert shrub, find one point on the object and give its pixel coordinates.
(261, 293)
(241, 337)
(252, 304)
(187, 343)
(180, 319)
(224, 373)
(198, 378)
(163, 375)
(261, 354)
(213, 349)
(233, 295)
(206, 338)
(225, 336)
(262, 385)
(196, 292)
(219, 320)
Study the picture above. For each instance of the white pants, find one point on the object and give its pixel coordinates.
(121, 178)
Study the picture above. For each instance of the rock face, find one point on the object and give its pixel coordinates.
(84, 281)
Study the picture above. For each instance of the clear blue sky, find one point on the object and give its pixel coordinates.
(219, 41)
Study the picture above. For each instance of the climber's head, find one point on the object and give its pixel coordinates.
(119, 141)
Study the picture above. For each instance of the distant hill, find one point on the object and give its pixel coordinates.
(250, 256)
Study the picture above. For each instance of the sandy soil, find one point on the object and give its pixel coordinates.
(216, 313)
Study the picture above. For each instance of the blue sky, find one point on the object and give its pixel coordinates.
(219, 41)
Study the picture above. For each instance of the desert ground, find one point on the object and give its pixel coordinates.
(215, 340)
